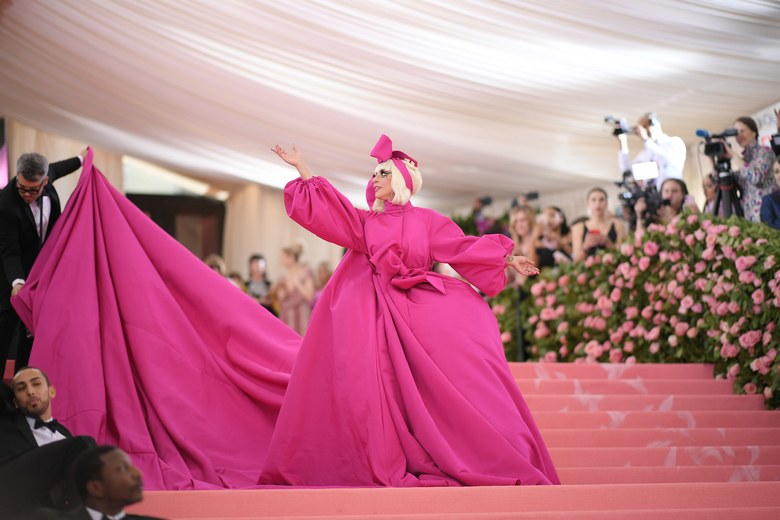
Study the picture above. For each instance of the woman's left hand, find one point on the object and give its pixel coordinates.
(522, 265)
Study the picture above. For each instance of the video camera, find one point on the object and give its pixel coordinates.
(633, 191)
(619, 126)
(717, 149)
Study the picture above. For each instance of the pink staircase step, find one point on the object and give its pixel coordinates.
(366, 502)
(625, 386)
(611, 371)
(648, 474)
(681, 419)
(658, 437)
(666, 456)
(647, 403)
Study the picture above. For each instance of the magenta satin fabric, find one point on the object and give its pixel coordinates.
(401, 378)
(152, 350)
(400, 381)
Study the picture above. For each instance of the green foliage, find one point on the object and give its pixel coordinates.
(702, 289)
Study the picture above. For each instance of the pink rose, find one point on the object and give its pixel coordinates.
(750, 339)
(758, 296)
(692, 219)
(615, 355)
(673, 341)
(734, 231)
(729, 351)
(700, 267)
(750, 388)
(654, 348)
(745, 262)
(697, 308)
(563, 351)
(653, 334)
(499, 309)
(632, 312)
(630, 360)
(708, 254)
(647, 312)
(549, 357)
(541, 331)
(651, 248)
(563, 281)
(768, 392)
(547, 314)
(615, 296)
(769, 263)
(628, 346)
(626, 249)
(582, 278)
(734, 370)
(506, 337)
(687, 302)
(644, 263)
(692, 332)
(537, 288)
(681, 328)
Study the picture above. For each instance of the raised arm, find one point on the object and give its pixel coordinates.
(294, 158)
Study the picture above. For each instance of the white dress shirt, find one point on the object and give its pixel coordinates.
(43, 436)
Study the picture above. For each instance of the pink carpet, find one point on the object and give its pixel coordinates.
(640, 442)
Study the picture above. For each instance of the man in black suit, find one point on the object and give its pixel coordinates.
(107, 482)
(29, 208)
(36, 452)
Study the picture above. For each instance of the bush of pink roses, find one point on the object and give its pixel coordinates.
(701, 289)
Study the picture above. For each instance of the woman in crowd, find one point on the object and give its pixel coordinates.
(755, 176)
(553, 238)
(258, 286)
(770, 205)
(600, 231)
(710, 186)
(522, 225)
(295, 290)
(324, 272)
(401, 379)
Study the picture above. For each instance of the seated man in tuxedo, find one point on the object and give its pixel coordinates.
(107, 482)
(36, 452)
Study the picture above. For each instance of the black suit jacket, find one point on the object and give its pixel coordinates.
(16, 436)
(19, 241)
(81, 514)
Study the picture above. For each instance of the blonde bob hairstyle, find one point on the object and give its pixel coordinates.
(401, 193)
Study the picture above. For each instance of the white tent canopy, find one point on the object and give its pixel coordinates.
(491, 97)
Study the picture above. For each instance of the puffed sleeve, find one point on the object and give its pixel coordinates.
(480, 260)
(317, 206)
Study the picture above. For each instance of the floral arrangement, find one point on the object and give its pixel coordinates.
(699, 290)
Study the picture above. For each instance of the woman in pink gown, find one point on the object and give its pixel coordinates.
(401, 378)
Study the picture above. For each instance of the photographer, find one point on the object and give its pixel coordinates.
(674, 199)
(668, 152)
(755, 177)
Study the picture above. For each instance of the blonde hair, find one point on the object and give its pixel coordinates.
(529, 213)
(294, 251)
(401, 193)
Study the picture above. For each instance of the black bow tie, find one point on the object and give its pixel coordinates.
(52, 425)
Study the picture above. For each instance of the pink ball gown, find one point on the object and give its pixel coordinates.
(401, 378)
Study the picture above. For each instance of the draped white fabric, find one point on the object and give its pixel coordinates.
(491, 97)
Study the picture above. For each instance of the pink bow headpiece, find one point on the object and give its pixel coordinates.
(383, 151)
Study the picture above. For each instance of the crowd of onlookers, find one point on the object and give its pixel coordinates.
(291, 296)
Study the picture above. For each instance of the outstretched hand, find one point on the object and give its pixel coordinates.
(293, 158)
(522, 265)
